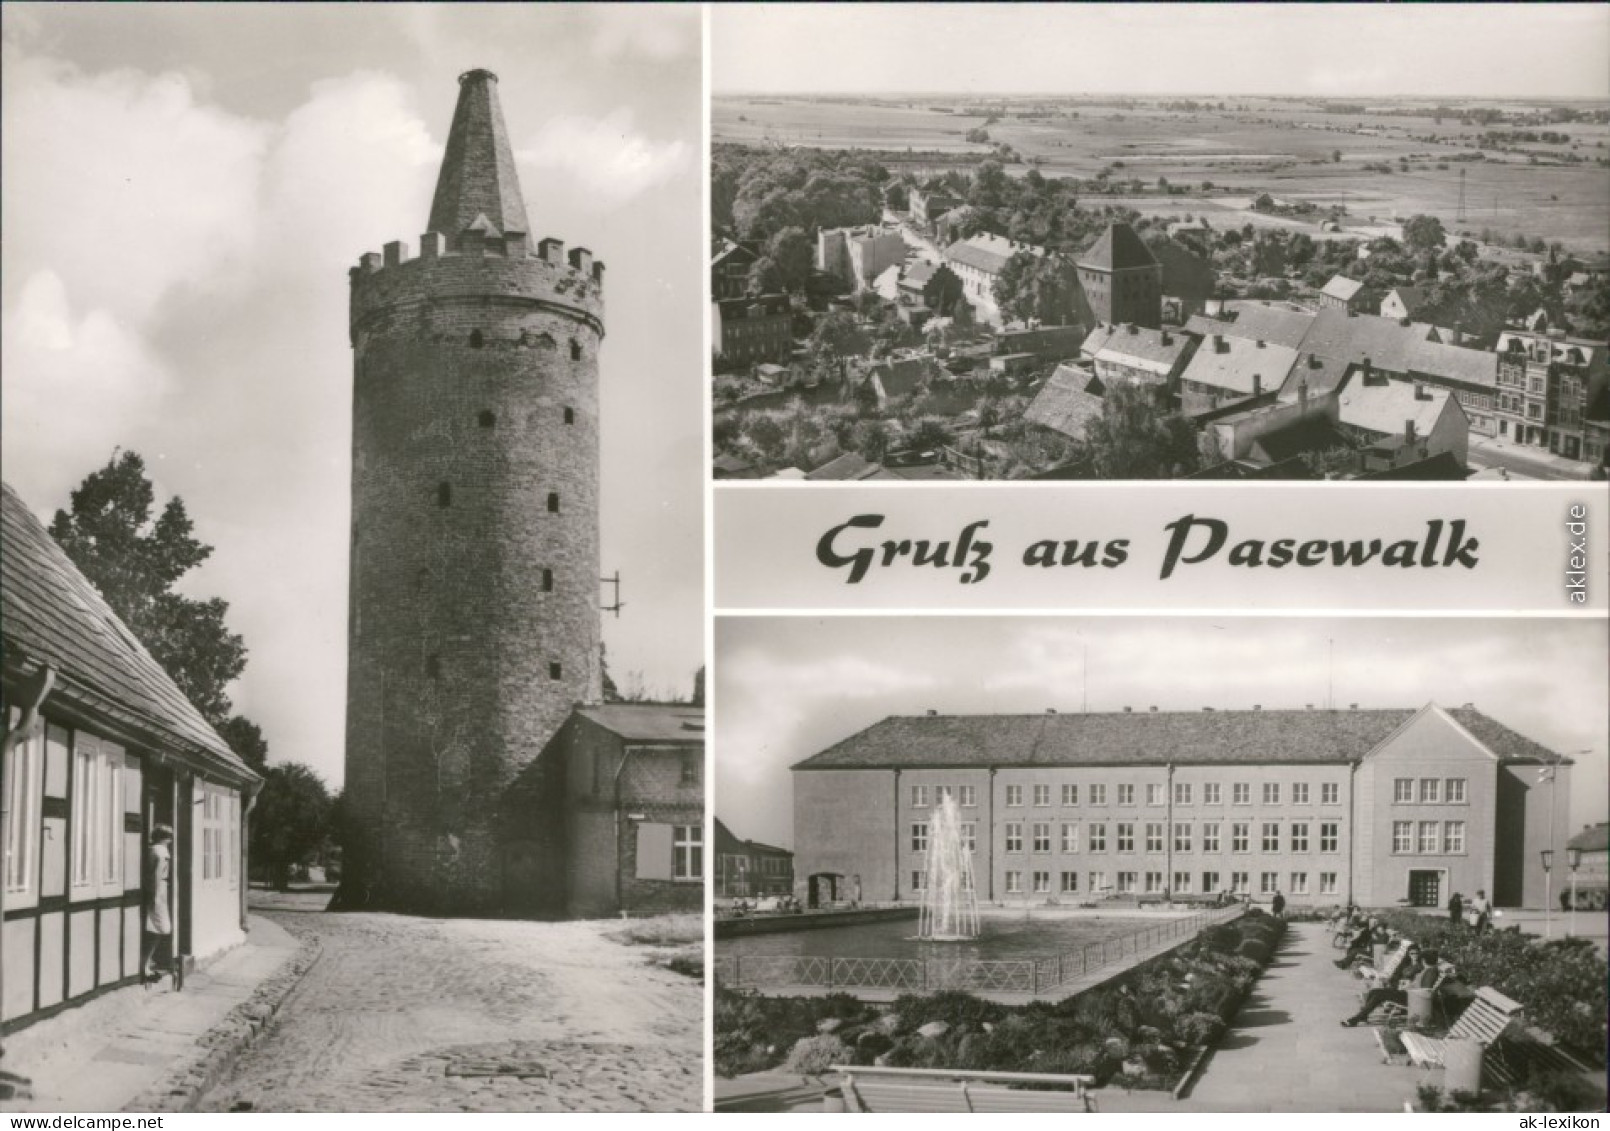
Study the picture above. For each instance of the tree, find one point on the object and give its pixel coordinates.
(1133, 439)
(245, 738)
(135, 562)
(1033, 287)
(1424, 233)
(292, 822)
(837, 337)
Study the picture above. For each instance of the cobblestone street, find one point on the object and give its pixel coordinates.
(410, 1014)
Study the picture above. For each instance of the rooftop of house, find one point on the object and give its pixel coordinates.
(1322, 376)
(1137, 346)
(1148, 738)
(1594, 838)
(50, 613)
(754, 306)
(1240, 365)
(848, 465)
(1314, 433)
(1385, 406)
(988, 252)
(1117, 249)
(1412, 298)
(728, 252)
(1341, 287)
(1256, 320)
(665, 723)
(1065, 403)
(1440, 468)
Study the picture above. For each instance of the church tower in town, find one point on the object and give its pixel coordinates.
(473, 625)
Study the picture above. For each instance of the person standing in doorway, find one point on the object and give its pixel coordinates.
(1456, 908)
(158, 885)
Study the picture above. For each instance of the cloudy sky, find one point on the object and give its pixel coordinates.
(1498, 50)
(787, 688)
(184, 190)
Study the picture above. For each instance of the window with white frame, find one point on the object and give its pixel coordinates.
(1299, 883)
(1098, 881)
(234, 838)
(1210, 837)
(1241, 793)
(1240, 837)
(1299, 836)
(1402, 791)
(1014, 883)
(1182, 836)
(1271, 793)
(1070, 836)
(1126, 881)
(1402, 837)
(919, 880)
(1428, 837)
(1329, 836)
(1126, 837)
(1042, 836)
(1327, 883)
(687, 852)
(1299, 793)
(941, 792)
(1042, 883)
(919, 797)
(969, 797)
(95, 809)
(1070, 795)
(1430, 789)
(919, 836)
(25, 767)
(1330, 793)
(1268, 882)
(1098, 838)
(1014, 795)
(1212, 793)
(1154, 882)
(1014, 837)
(1240, 882)
(1210, 883)
(1155, 794)
(1182, 883)
(1098, 795)
(1182, 793)
(1042, 795)
(1154, 836)
(1271, 836)
(1126, 794)
(1455, 791)
(1070, 883)
(1453, 836)
(970, 835)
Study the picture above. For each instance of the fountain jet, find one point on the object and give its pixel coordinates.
(949, 899)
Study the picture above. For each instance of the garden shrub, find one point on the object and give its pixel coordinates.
(1255, 949)
(812, 1056)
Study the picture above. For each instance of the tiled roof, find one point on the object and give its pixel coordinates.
(1116, 249)
(1234, 365)
(1412, 298)
(1064, 405)
(1321, 374)
(988, 253)
(1311, 434)
(1453, 363)
(1384, 407)
(849, 465)
(1145, 738)
(1340, 286)
(649, 722)
(755, 306)
(1256, 320)
(1594, 839)
(1137, 346)
(50, 612)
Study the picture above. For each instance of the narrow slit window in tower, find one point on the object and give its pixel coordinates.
(575, 350)
(553, 502)
(555, 671)
(488, 419)
(547, 581)
(444, 494)
(476, 341)
(570, 415)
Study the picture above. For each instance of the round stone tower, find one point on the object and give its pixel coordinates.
(473, 622)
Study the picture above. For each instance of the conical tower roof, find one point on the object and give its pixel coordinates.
(478, 183)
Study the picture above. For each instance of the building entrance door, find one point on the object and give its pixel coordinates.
(1425, 888)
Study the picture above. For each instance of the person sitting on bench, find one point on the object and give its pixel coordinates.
(1360, 944)
(1413, 972)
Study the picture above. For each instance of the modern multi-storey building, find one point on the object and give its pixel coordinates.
(1378, 807)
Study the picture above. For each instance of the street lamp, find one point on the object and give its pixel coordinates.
(1573, 857)
(1548, 892)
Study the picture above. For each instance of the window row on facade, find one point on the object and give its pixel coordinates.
(1153, 882)
(1152, 836)
(1155, 793)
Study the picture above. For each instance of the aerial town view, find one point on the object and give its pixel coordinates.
(1099, 868)
(915, 281)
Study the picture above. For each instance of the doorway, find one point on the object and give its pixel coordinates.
(1425, 888)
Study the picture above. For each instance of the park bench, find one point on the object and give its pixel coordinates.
(1374, 978)
(1488, 1017)
(942, 1090)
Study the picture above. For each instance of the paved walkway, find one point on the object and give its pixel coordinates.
(100, 1056)
(1287, 1050)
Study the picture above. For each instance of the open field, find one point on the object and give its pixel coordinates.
(1278, 146)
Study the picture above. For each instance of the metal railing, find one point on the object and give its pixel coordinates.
(931, 973)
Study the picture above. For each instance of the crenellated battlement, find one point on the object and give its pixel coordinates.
(479, 265)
